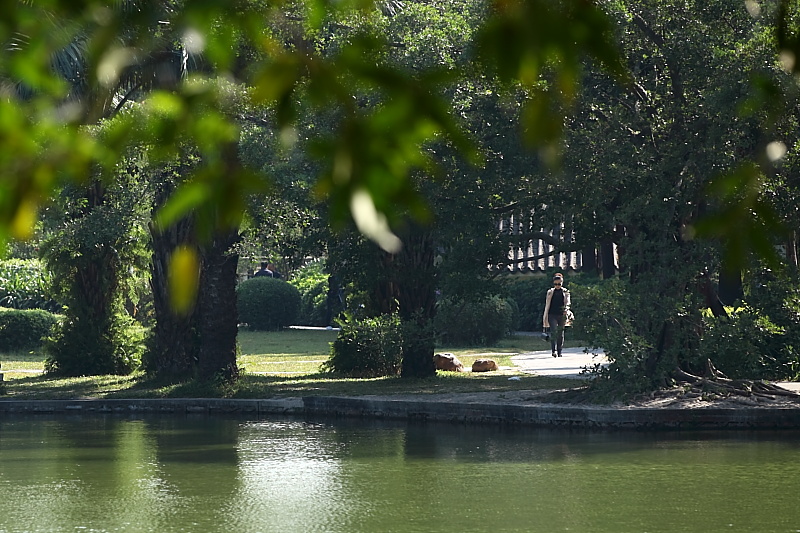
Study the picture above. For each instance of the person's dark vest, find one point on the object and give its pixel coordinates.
(557, 302)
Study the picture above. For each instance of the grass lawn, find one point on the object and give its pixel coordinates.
(276, 364)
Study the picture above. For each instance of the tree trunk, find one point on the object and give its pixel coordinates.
(218, 317)
(386, 295)
(730, 285)
(607, 259)
(416, 276)
(172, 354)
(791, 250)
(589, 261)
(201, 344)
(712, 300)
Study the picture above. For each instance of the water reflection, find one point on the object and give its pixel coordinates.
(290, 475)
(170, 474)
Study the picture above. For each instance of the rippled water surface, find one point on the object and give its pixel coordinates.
(210, 474)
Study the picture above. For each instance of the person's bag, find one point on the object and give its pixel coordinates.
(545, 334)
(570, 318)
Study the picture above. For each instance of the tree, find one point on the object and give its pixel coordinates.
(196, 337)
(642, 162)
(172, 352)
(411, 115)
(376, 152)
(93, 339)
(91, 257)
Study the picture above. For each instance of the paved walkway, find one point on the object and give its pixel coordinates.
(570, 365)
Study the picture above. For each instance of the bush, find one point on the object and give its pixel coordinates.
(478, 322)
(268, 303)
(747, 346)
(761, 339)
(26, 284)
(312, 282)
(369, 347)
(609, 319)
(528, 292)
(24, 330)
(80, 346)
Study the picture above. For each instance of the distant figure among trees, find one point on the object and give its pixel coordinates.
(264, 271)
(272, 268)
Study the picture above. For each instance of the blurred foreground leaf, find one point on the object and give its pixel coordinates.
(184, 278)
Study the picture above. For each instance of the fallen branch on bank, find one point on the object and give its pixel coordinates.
(717, 384)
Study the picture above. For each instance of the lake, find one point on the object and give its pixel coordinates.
(216, 474)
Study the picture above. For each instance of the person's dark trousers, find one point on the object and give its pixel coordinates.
(556, 323)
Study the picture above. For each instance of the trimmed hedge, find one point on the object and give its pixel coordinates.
(24, 329)
(267, 303)
(475, 323)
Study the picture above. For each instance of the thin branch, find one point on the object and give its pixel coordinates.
(658, 40)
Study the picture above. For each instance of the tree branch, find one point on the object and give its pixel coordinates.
(672, 66)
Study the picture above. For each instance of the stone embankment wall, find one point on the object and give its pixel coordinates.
(543, 415)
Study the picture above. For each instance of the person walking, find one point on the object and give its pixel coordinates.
(556, 309)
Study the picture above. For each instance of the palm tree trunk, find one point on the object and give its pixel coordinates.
(172, 354)
(417, 301)
(218, 317)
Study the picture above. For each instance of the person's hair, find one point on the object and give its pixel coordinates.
(263, 264)
(558, 275)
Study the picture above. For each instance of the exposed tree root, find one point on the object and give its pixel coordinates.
(686, 389)
(718, 386)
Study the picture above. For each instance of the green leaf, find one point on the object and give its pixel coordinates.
(184, 279)
(188, 196)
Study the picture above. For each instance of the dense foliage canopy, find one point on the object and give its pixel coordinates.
(665, 128)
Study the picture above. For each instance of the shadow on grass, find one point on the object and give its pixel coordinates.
(46, 387)
(251, 386)
(259, 386)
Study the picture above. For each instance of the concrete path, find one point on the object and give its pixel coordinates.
(570, 365)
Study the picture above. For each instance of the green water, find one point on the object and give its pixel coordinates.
(209, 474)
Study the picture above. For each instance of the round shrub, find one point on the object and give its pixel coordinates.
(267, 303)
(24, 329)
(478, 322)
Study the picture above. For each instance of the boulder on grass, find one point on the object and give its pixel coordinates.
(484, 365)
(447, 362)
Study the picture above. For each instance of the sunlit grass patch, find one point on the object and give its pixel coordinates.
(288, 343)
(282, 364)
(511, 345)
(11, 361)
